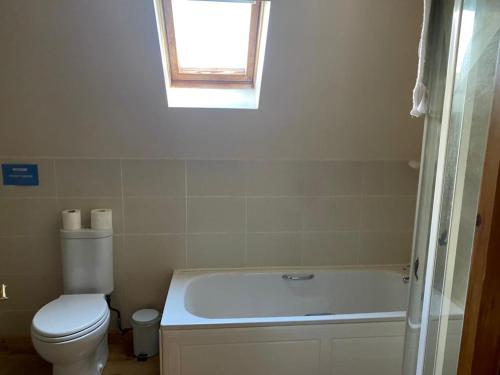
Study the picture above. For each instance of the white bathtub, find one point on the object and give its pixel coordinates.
(245, 322)
(211, 299)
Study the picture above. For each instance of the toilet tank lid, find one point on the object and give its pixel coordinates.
(86, 233)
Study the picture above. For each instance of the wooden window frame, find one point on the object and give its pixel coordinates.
(203, 78)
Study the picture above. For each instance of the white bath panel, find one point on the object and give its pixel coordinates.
(369, 355)
(276, 358)
(333, 349)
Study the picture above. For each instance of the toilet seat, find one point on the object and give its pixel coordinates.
(77, 335)
(69, 317)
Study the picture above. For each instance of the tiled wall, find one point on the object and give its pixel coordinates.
(174, 213)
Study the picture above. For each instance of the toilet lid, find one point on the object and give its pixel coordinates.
(69, 314)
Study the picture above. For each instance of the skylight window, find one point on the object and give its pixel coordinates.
(213, 51)
(211, 42)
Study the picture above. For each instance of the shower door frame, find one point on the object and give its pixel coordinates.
(480, 303)
(441, 163)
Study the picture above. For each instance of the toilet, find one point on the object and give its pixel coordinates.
(71, 331)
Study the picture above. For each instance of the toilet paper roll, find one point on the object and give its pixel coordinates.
(71, 219)
(101, 218)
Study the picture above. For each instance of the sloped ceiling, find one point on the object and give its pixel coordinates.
(84, 79)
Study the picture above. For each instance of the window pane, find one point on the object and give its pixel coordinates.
(211, 35)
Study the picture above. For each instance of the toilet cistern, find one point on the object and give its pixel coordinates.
(71, 332)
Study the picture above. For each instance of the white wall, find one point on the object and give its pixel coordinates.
(84, 79)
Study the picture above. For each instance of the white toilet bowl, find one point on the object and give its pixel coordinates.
(71, 333)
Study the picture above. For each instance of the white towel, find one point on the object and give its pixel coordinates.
(420, 91)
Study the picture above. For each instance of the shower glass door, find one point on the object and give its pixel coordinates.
(462, 76)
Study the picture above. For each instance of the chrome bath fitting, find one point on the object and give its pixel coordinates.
(297, 277)
(3, 292)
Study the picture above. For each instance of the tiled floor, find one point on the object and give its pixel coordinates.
(17, 357)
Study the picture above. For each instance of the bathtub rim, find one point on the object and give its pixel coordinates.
(186, 320)
(190, 321)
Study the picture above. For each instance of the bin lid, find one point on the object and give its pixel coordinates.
(146, 317)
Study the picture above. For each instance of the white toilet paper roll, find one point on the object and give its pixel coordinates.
(71, 219)
(101, 218)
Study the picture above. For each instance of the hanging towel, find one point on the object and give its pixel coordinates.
(420, 90)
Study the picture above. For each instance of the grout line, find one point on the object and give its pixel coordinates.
(302, 175)
(358, 248)
(302, 232)
(361, 213)
(245, 236)
(186, 221)
(122, 190)
(95, 196)
(14, 236)
(53, 157)
(56, 192)
(56, 187)
(155, 196)
(19, 198)
(122, 234)
(361, 195)
(212, 196)
(59, 197)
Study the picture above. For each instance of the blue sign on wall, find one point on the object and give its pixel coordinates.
(20, 174)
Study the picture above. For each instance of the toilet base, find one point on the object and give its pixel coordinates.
(92, 365)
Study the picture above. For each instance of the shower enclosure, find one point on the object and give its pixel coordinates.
(462, 74)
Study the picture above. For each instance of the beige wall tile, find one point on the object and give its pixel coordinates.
(46, 187)
(323, 178)
(16, 323)
(30, 291)
(274, 214)
(338, 214)
(273, 178)
(155, 215)
(216, 215)
(153, 177)
(385, 177)
(151, 254)
(28, 216)
(273, 249)
(87, 204)
(216, 250)
(388, 214)
(30, 255)
(281, 197)
(135, 291)
(207, 177)
(330, 248)
(385, 248)
(88, 178)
